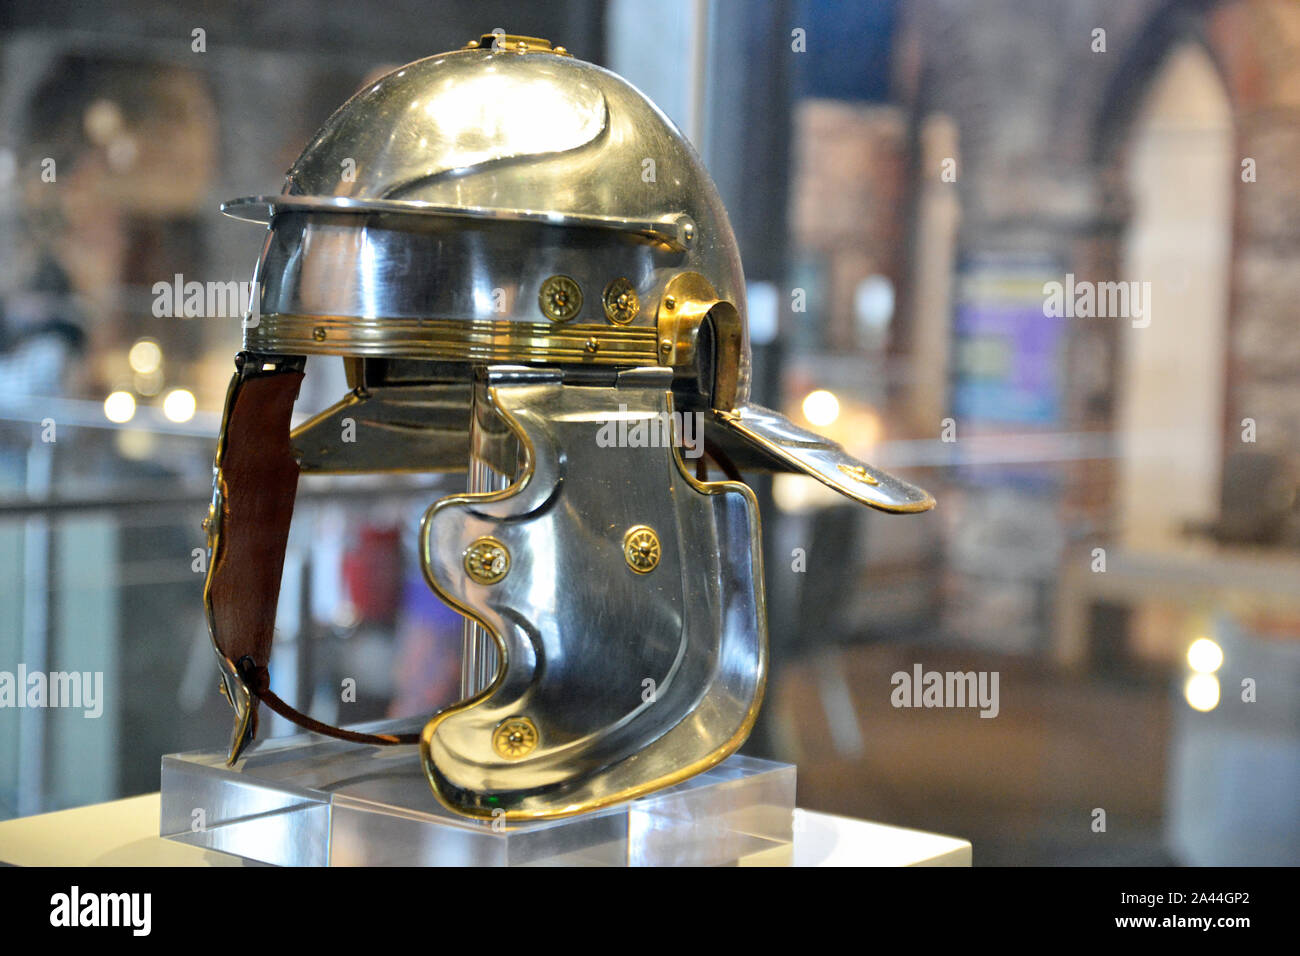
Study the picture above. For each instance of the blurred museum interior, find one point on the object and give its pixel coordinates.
(1039, 256)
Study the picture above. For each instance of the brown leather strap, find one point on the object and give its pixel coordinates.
(257, 484)
(258, 679)
(257, 481)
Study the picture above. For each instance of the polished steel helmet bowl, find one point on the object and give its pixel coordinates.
(522, 262)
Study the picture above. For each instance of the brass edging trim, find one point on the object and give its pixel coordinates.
(452, 339)
(688, 302)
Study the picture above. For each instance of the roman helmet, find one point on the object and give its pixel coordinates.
(529, 277)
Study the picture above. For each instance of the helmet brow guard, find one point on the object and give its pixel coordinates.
(512, 249)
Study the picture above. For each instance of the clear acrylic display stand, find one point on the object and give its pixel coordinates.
(313, 801)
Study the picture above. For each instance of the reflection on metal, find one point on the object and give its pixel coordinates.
(493, 462)
(416, 428)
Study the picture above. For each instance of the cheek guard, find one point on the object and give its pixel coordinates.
(474, 236)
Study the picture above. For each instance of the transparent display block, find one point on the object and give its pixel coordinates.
(313, 801)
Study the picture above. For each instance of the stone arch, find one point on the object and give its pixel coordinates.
(1171, 23)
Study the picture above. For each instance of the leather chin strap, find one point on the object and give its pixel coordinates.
(254, 485)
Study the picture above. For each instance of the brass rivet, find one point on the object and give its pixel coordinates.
(670, 303)
(665, 346)
(487, 560)
(560, 298)
(318, 333)
(621, 301)
(858, 473)
(689, 232)
(561, 51)
(514, 737)
(641, 549)
(590, 346)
